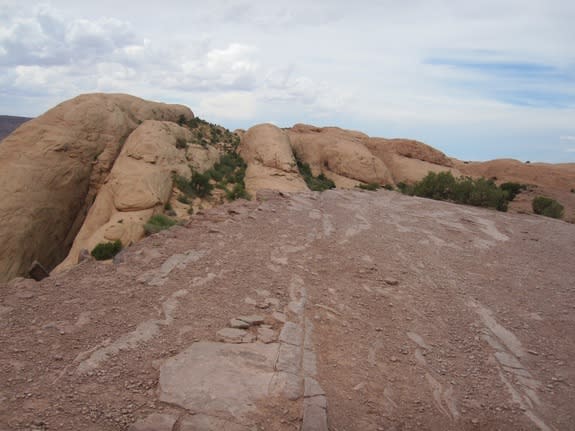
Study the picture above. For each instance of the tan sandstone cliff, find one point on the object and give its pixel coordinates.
(347, 157)
(52, 168)
(96, 167)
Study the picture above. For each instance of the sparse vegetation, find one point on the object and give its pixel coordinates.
(207, 133)
(369, 186)
(183, 199)
(547, 207)
(513, 189)
(444, 186)
(228, 175)
(107, 250)
(200, 184)
(158, 223)
(319, 183)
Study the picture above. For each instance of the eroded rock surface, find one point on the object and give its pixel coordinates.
(52, 167)
(386, 312)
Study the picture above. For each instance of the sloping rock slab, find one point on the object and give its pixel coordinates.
(219, 379)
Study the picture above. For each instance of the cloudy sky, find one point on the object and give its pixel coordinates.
(478, 80)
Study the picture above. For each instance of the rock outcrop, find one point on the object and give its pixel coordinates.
(139, 185)
(339, 151)
(270, 159)
(347, 157)
(95, 168)
(52, 167)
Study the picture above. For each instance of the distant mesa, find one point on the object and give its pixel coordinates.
(9, 123)
(95, 168)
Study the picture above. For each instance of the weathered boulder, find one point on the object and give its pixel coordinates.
(342, 152)
(407, 160)
(52, 167)
(138, 186)
(271, 163)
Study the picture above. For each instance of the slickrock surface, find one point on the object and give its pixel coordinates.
(380, 312)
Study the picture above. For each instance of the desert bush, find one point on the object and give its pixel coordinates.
(237, 192)
(404, 188)
(444, 186)
(513, 189)
(201, 185)
(183, 199)
(107, 250)
(158, 223)
(319, 183)
(369, 186)
(547, 207)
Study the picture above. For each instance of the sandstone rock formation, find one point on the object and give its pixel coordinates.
(270, 159)
(139, 185)
(347, 157)
(95, 168)
(339, 151)
(52, 167)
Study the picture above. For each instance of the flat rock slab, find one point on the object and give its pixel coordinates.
(218, 379)
(155, 422)
(235, 335)
(252, 320)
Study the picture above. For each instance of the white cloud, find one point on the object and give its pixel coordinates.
(363, 67)
(233, 105)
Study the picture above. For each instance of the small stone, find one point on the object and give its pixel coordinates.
(475, 421)
(250, 301)
(239, 324)
(155, 422)
(280, 317)
(232, 335)
(393, 359)
(252, 320)
(391, 281)
(266, 335)
(84, 255)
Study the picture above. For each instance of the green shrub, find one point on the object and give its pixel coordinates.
(444, 186)
(547, 207)
(107, 250)
(200, 184)
(319, 183)
(388, 187)
(513, 189)
(370, 186)
(404, 188)
(183, 199)
(158, 223)
(237, 192)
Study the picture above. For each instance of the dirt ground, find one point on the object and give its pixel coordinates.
(423, 315)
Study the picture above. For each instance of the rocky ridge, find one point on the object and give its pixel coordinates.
(95, 168)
